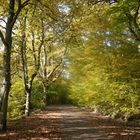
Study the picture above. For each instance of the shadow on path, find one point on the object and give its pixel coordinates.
(69, 123)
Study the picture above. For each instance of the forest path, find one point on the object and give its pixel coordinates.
(68, 123)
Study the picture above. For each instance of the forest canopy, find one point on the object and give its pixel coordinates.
(83, 52)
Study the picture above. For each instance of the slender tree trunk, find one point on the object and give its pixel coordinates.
(27, 88)
(28, 92)
(45, 88)
(6, 85)
(28, 81)
(28, 102)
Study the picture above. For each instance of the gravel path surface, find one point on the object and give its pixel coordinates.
(69, 123)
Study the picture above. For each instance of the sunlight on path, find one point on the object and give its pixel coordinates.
(68, 123)
(75, 125)
(83, 125)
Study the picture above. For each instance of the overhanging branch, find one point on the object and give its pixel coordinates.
(20, 7)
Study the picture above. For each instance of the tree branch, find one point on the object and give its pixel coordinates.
(41, 43)
(132, 25)
(25, 3)
(48, 8)
(33, 48)
(137, 11)
(20, 7)
(2, 27)
(19, 3)
(135, 20)
(2, 38)
(3, 20)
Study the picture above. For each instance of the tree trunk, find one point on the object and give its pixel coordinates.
(28, 92)
(28, 81)
(45, 88)
(46, 98)
(6, 85)
(28, 102)
(7, 41)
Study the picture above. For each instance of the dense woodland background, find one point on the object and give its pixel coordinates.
(82, 52)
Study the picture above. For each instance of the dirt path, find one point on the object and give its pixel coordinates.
(68, 123)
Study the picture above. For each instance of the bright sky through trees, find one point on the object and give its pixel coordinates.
(64, 9)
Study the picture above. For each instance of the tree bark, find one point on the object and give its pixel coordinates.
(7, 41)
(28, 102)
(45, 90)
(6, 85)
(28, 81)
